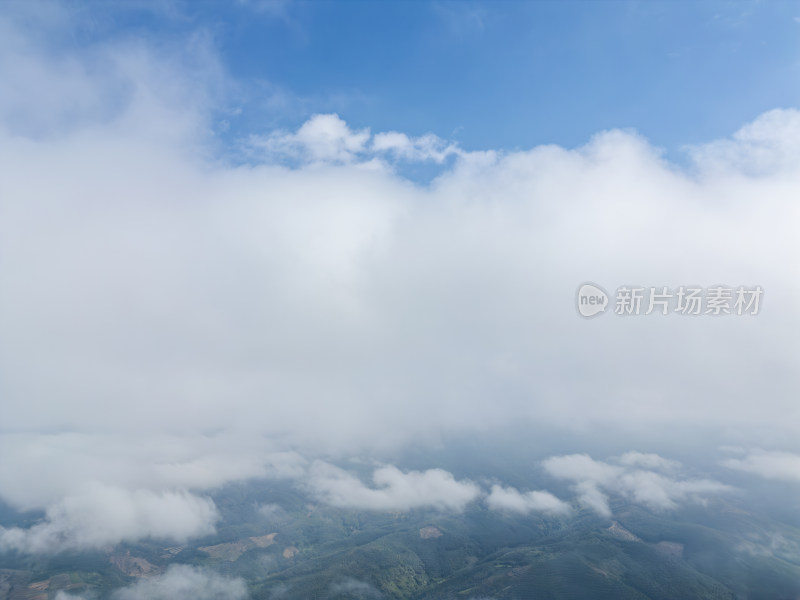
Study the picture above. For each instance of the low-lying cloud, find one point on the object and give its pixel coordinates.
(179, 582)
(184, 582)
(103, 515)
(350, 587)
(512, 500)
(594, 480)
(393, 489)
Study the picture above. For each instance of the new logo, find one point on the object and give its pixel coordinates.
(592, 300)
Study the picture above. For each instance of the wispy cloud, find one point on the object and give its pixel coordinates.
(352, 587)
(179, 582)
(778, 465)
(184, 582)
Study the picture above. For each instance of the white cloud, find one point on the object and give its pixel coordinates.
(327, 139)
(103, 515)
(394, 490)
(184, 582)
(249, 298)
(129, 490)
(589, 496)
(163, 93)
(426, 147)
(594, 480)
(769, 145)
(511, 499)
(581, 467)
(69, 462)
(783, 466)
(660, 492)
(323, 138)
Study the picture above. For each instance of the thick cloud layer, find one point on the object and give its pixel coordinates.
(170, 321)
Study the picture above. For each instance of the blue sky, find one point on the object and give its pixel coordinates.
(502, 75)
